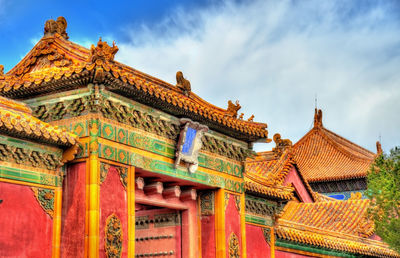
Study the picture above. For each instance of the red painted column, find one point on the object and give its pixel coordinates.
(74, 211)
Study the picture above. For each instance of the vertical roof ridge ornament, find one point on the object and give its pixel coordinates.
(102, 51)
(318, 118)
(183, 83)
(59, 26)
(379, 150)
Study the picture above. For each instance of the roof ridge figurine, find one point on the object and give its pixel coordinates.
(233, 109)
(102, 51)
(281, 144)
(183, 83)
(60, 26)
(318, 118)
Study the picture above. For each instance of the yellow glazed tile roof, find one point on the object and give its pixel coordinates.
(56, 63)
(265, 174)
(16, 120)
(338, 225)
(267, 171)
(322, 155)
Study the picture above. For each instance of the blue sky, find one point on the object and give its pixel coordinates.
(273, 56)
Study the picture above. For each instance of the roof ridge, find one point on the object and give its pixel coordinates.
(352, 144)
(54, 58)
(341, 148)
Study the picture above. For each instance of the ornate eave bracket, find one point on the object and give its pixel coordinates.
(189, 143)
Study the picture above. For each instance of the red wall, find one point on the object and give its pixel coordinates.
(113, 199)
(294, 178)
(232, 223)
(255, 243)
(73, 211)
(25, 228)
(208, 236)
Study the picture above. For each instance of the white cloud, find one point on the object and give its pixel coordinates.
(274, 56)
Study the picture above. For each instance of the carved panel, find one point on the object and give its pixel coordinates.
(267, 234)
(45, 197)
(260, 207)
(122, 172)
(207, 203)
(113, 237)
(234, 248)
(29, 157)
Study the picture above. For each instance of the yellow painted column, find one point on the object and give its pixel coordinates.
(243, 224)
(94, 192)
(131, 212)
(57, 222)
(272, 243)
(220, 223)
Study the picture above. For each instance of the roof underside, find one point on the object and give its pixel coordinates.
(56, 64)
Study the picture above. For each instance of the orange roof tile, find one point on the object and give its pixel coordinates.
(268, 170)
(322, 155)
(16, 120)
(265, 174)
(339, 225)
(55, 64)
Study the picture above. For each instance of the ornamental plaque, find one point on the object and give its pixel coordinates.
(189, 143)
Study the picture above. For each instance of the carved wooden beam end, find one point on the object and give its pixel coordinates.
(154, 188)
(189, 195)
(172, 192)
(139, 183)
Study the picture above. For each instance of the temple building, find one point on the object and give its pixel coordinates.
(98, 159)
(332, 164)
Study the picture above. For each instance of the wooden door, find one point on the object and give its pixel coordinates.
(158, 233)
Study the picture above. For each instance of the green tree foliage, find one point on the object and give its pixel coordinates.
(384, 192)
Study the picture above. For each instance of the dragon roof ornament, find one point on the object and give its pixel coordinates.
(59, 26)
(102, 51)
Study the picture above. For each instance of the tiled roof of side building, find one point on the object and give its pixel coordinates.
(56, 64)
(16, 120)
(322, 155)
(338, 225)
(267, 171)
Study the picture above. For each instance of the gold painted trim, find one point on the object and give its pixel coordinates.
(243, 224)
(57, 222)
(131, 211)
(220, 244)
(94, 209)
(11, 181)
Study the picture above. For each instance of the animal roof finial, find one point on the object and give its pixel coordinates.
(378, 148)
(183, 83)
(60, 26)
(318, 118)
